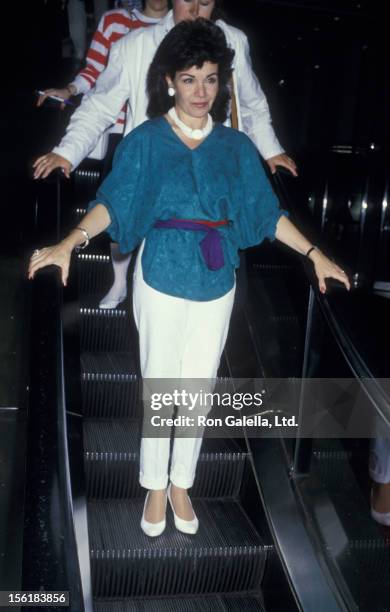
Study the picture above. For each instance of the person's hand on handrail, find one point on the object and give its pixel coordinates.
(324, 267)
(57, 255)
(282, 160)
(94, 222)
(45, 164)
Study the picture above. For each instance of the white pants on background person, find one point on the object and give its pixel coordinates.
(118, 290)
(379, 464)
(179, 339)
(78, 27)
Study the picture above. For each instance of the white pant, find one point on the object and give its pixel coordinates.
(379, 465)
(78, 27)
(178, 338)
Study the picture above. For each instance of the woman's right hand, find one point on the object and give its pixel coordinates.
(57, 255)
(64, 93)
(49, 162)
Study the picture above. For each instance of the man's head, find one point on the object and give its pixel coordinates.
(156, 5)
(192, 9)
(141, 5)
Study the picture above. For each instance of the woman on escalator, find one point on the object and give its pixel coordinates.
(191, 192)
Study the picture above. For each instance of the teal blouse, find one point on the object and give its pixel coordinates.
(156, 176)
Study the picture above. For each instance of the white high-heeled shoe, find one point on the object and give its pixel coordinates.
(108, 302)
(383, 518)
(190, 527)
(153, 529)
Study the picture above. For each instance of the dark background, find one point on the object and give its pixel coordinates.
(323, 66)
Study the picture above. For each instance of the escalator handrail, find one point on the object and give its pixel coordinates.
(49, 279)
(361, 370)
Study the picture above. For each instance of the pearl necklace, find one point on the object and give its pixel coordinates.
(198, 133)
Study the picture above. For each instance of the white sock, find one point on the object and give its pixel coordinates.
(118, 291)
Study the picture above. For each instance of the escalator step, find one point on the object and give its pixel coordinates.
(110, 385)
(226, 555)
(269, 255)
(288, 337)
(272, 267)
(352, 508)
(87, 178)
(374, 559)
(87, 173)
(286, 318)
(95, 273)
(212, 603)
(276, 296)
(359, 547)
(104, 330)
(278, 331)
(112, 463)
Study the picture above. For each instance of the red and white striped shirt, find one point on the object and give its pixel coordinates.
(112, 26)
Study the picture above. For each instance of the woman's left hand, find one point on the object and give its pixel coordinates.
(325, 268)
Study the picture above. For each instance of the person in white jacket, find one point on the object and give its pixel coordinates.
(124, 79)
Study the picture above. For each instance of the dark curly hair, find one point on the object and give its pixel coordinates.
(190, 43)
(218, 13)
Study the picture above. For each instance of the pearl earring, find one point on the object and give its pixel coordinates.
(171, 91)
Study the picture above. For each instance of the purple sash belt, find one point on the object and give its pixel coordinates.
(211, 245)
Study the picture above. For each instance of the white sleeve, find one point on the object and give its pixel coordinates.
(254, 110)
(81, 84)
(99, 108)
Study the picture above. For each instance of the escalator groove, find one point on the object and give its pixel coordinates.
(235, 558)
(216, 603)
